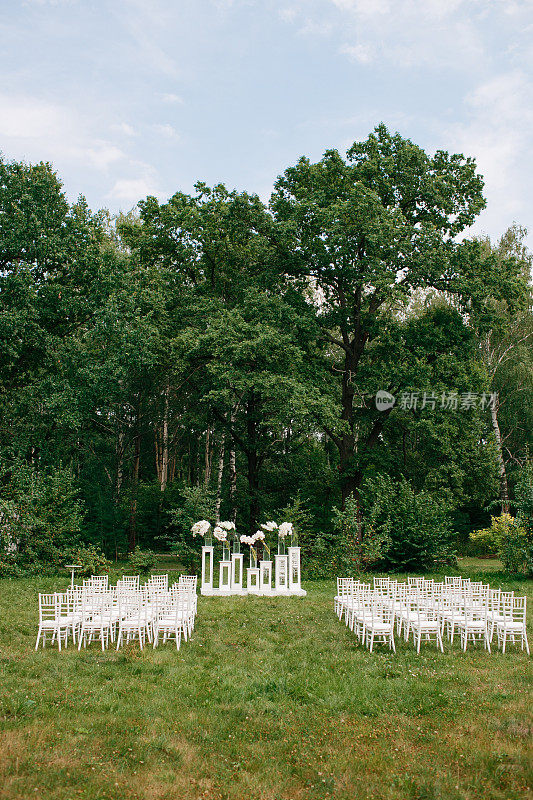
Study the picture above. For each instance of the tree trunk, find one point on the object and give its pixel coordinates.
(120, 460)
(208, 457)
(219, 476)
(504, 489)
(253, 464)
(233, 473)
(135, 484)
(164, 457)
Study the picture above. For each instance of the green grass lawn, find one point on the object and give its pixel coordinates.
(272, 699)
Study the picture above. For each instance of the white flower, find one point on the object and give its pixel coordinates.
(228, 526)
(258, 535)
(285, 529)
(200, 528)
(220, 534)
(247, 540)
(269, 526)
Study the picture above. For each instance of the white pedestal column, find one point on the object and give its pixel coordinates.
(236, 573)
(295, 586)
(281, 574)
(224, 577)
(207, 570)
(265, 577)
(252, 580)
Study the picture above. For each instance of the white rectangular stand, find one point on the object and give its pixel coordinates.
(236, 573)
(224, 581)
(252, 580)
(265, 577)
(295, 586)
(207, 570)
(281, 574)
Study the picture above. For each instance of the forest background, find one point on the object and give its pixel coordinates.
(216, 357)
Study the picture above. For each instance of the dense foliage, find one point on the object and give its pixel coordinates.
(214, 357)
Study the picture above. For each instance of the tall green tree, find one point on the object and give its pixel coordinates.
(363, 234)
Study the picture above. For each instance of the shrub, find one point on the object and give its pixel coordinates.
(413, 529)
(359, 546)
(142, 561)
(516, 551)
(517, 543)
(196, 503)
(40, 517)
(91, 560)
(488, 541)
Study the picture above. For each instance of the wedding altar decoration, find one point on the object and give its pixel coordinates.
(265, 576)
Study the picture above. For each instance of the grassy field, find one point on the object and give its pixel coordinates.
(272, 699)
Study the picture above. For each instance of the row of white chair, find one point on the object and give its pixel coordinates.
(122, 613)
(428, 609)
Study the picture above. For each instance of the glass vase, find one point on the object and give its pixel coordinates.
(294, 539)
(253, 557)
(226, 556)
(282, 547)
(236, 545)
(208, 540)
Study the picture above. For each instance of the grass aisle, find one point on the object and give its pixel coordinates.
(272, 699)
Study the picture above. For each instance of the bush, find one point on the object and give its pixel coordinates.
(516, 551)
(488, 541)
(40, 517)
(196, 503)
(413, 529)
(91, 560)
(517, 543)
(360, 546)
(142, 561)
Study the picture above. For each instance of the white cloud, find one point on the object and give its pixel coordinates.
(363, 53)
(288, 14)
(131, 190)
(412, 32)
(35, 129)
(124, 129)
(167, 131)
(498, 132)
(172, 99)
(103, 154)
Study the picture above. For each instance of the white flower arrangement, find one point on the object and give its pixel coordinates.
(285, 529)
(201, 528)
(247, 540)
(220, 534)
(228, 526)
(258, 536)
(269, 526)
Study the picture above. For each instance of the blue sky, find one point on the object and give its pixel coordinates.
(134, 97)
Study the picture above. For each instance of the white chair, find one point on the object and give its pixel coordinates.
(379, 626)
(513, 624)
(133, 620)
(51, 619)
(426, 625)
(173, 620)
(473, 625)
(97, 619)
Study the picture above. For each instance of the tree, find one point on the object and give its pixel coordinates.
(363, 234)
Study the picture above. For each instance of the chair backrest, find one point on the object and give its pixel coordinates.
(158, 581)
(47, 606)
(519, 609)
(452, 580)
(128, 582)
(188, 581)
